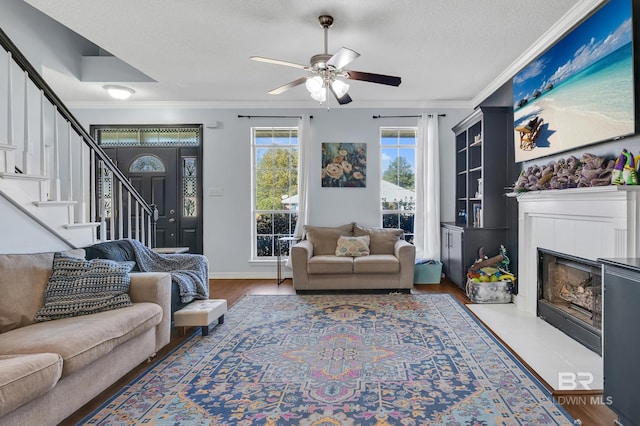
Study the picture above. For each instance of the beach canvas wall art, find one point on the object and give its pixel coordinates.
(581, 91)
(344, 165)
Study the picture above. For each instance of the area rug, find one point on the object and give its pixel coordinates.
(395, 359)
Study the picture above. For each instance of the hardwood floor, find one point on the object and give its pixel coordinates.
(588, 408)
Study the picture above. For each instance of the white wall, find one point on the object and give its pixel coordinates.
(227, 164)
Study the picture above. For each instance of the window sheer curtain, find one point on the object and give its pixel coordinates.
(304, 140)
(427, 218)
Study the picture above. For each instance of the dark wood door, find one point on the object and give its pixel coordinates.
(158, 173)
(153, 173)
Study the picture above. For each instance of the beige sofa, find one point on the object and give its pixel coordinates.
(50, 369)
(389, 265)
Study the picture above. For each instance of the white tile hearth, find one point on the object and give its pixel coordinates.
(547, 350)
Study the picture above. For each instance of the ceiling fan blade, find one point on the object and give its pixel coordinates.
(342, 58)
(345, 99)
(278, 62)
(288, 86)
(373, 78)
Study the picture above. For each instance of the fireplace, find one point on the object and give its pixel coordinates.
(570, 296)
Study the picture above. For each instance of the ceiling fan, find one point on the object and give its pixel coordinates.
(327, 68)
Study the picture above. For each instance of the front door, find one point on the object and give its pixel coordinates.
(168, 176)
(154, 174)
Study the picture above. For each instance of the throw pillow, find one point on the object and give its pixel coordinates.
(352, 246)
(81, 287)
(325, 238)
(383, 240)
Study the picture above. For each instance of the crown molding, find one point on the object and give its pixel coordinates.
(128, 104)
(573, 17)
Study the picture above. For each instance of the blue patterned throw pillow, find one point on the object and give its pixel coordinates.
(81, 287)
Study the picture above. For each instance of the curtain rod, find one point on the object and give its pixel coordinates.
(405, 116)
(271, 116)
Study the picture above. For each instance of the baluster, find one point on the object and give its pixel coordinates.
(112, 219)
(120, 212)
(83, 197)
(56, 157)
(137, 221)
(142, 230)
(129, 227)
(149, 231)
(43, 146)
(26, 153)
(70, 159)
(9, 156)
(92, 185)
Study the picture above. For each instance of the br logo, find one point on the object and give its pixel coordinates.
(574, 381)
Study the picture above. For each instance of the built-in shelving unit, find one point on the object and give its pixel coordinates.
(482, 143)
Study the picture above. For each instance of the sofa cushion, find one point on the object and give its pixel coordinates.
(325, 239)
(383, 240)
(82, 340)
(23, 281)
(352, 246)
(81, 287)
(26, 377)
(330, 264)
(376, 264)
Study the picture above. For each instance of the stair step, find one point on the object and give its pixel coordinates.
(54, 203)
(6, 175)
(82, 225)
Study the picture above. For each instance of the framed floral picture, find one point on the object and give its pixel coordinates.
(344, 165)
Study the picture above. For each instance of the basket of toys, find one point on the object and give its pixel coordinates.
(489, 279)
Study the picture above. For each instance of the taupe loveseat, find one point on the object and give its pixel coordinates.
(49, 369)
(317, 265)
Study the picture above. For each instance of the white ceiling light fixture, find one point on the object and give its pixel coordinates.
(119, 92)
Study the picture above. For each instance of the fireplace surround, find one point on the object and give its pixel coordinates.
(589, 223)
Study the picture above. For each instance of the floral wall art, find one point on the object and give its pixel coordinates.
(344, 165)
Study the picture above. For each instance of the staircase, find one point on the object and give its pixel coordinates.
(54, 172)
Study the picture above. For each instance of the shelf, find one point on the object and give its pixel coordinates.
(464, 172)
(460, 151)
(475, 169)
(478, 143)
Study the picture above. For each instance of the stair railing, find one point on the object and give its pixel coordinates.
(45, 142)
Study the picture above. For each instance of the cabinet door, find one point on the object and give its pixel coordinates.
(621, 346)
(444, 249)
(456, 265)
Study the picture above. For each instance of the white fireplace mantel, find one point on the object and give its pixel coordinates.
(590, 223)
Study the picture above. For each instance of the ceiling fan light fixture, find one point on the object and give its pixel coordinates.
(314, 84)
(340, 88)
(320, 95)
(119, 92)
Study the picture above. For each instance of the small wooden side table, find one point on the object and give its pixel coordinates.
(288, 240)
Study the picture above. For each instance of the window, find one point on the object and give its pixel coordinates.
(275, 188)
(398, 175)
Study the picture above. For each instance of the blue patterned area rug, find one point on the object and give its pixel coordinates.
(395, 359)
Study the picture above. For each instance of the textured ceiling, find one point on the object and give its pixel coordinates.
(446, 51)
